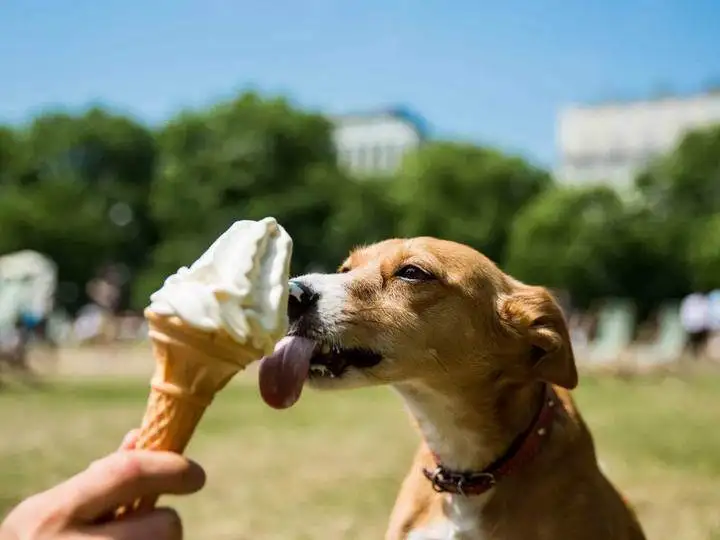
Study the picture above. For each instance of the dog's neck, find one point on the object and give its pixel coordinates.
(466, 427)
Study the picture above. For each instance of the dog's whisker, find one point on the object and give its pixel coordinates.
(436, 358)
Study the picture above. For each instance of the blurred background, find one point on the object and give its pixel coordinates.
(577, 145)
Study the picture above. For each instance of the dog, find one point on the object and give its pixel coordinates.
(485, 366)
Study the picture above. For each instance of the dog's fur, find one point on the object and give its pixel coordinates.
(470, 350)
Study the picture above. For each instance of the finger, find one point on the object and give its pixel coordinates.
(130, 440)
(161, 524)
(146, 504)
(125, 476)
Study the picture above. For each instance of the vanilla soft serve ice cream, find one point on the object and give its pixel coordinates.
(239, 285)
(208, 322)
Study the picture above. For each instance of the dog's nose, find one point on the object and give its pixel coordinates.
(300, 300)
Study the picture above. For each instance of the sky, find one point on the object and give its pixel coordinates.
(490, 72)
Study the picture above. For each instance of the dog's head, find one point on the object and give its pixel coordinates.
(428, 310)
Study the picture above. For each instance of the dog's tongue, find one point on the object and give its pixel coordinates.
(283, 373)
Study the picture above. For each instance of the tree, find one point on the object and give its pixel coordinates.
(565, 239)
(78, 192)
(685, 184)
(245, 159)
(680, 199)
(65, 221)
(465, 193)
(8, 155)
(644, 262)
(364, 214)
(704, 254)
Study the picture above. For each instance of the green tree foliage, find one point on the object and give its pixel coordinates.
(680, 195)
(99, 187)
(9, 149)
(656, 244)
(245, 159)
(363, 214)
(77, 190)
(704, 254)
(685, 184)
(564, 239)
(641, 263)
(465, 193)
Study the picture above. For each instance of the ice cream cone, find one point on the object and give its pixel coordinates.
(207, 322)
(192, 365)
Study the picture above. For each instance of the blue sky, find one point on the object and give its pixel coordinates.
(490, 72)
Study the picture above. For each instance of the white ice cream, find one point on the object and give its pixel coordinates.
(240, 285)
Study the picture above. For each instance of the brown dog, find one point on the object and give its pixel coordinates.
(484, 364)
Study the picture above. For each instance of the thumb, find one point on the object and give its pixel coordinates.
(126, 476)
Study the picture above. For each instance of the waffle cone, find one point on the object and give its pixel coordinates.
(191, 367)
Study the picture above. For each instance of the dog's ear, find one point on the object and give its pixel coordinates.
(533, 316)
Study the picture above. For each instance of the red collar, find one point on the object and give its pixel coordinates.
(521, 451)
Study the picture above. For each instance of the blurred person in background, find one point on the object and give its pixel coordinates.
(33, 324)
(714, 310)
(15, 341)
(695, 318)
(82, 507)
(96, 321)
(713, 345)
(13, 349)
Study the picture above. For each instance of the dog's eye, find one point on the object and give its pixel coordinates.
(344, 270)
(413, 273)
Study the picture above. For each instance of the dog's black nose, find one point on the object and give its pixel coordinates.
(300, 300)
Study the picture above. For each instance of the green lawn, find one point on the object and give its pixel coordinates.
(330, 467)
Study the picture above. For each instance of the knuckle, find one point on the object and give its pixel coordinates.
(124, 466)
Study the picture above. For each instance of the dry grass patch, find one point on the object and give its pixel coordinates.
(331, 466)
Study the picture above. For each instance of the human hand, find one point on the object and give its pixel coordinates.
(79, 508)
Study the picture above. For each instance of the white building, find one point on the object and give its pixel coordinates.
(376, 142)
(612, 142)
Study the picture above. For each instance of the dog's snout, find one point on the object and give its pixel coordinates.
(301, 298)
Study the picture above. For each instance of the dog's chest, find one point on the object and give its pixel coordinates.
(445, 530)
(437, 530)
(461, 522)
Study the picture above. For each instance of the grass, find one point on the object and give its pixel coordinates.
(331, 466)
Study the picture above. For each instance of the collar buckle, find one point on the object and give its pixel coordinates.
(445, 481)
(436, 478)
(523, 449)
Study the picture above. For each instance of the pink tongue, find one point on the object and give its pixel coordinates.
(283, 373)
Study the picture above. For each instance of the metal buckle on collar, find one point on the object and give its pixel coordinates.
(436, 478)
(441, 480)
